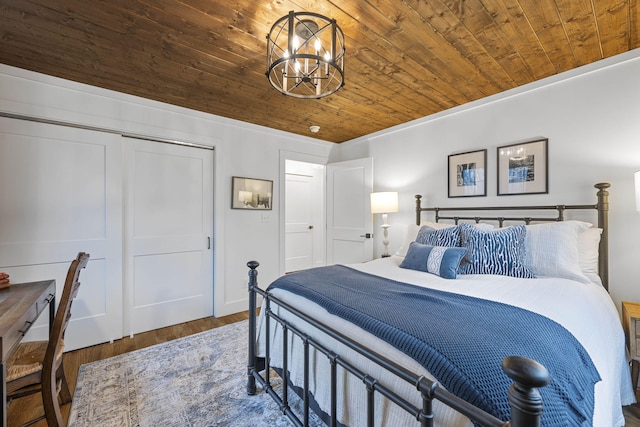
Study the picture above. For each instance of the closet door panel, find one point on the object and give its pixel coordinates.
(61, 193)
(169, 241)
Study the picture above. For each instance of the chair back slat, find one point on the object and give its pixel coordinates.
(56, 336)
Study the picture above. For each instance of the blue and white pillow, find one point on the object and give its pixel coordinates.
(439, 260)
(499, 252)
(448, 237)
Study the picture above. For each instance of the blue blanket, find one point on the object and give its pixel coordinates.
(460, 340)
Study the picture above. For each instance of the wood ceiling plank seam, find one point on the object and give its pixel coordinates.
(547, 23)
(469, 43)
(634, 24)
(536, 36)
(422, 55)
(466, 72)
(510, 17)
(54, 38)
(595, 22)
(496, 44)
(205, 23)
(189, 39)
(422, 94)
(580, 21)
(614, 24)
(409, 67)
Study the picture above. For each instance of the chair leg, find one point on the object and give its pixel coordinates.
(64, 394)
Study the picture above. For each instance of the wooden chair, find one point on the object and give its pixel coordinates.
(37, 366)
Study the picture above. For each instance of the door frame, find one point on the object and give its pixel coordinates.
(300, 157)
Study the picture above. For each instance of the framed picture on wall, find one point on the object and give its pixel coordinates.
(251, 193)
(523, 168)
(467, 173)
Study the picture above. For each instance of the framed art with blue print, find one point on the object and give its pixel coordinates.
(467, 174)
(523, 168)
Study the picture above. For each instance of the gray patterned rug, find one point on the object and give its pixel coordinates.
(193, 381)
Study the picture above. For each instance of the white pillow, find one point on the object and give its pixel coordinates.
(588, 251)
(552, 249)
(412, 232)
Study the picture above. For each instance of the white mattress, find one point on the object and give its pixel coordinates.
(586, 310)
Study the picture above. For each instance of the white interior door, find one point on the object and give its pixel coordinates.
(169, 232)
(61, 193)
(349, 219)
(299, 227)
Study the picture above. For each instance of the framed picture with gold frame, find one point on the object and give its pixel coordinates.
(523, 168)
(467, 174)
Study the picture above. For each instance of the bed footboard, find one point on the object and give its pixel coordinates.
(524, 398)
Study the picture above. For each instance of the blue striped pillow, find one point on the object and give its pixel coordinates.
(449, 237)
(494, 252)
(439, 260)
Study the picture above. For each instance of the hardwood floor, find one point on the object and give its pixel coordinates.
(27, 408)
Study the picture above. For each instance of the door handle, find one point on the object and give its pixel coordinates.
(311, 227)
(208, 242)
(367, 236)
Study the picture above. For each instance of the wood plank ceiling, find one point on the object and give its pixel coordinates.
(405, 59)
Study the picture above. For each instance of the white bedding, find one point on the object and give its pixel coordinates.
(586, 310)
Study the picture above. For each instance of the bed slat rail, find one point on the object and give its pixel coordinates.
(524, 398)
(602, 208)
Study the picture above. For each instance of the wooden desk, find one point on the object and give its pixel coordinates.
(631, 324)
(20, 306)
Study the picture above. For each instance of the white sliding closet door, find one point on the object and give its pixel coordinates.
(169, 234)
(61, 193)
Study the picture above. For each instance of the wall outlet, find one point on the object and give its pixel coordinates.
(266, 217)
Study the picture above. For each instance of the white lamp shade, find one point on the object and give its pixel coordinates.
(245, 196)
(636, 180)
(384, 202)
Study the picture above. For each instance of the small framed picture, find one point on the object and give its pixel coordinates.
(251, 193)
(523, 168)
(467, 174)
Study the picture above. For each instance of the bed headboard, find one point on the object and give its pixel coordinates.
(601, 206)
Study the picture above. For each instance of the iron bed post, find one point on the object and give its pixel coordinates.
(251, 366)
(603, 222)
(524, 397)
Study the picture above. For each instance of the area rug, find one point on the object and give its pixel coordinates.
(199, 380)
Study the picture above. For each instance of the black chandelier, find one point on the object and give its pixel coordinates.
(305, 55)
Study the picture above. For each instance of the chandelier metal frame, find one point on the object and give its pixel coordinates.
(305, 55)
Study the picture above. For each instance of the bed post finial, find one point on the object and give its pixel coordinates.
(418, 208)
(603, 224)
(251, 365)
(524, 398)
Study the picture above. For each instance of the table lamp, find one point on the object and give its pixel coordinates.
(384, 202)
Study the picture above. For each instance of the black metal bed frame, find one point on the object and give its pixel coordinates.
(528, 375)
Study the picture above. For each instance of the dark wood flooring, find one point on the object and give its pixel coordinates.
(27, 408)
(30, 407)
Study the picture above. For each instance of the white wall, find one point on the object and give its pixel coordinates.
(241, 149)
(592, 119)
